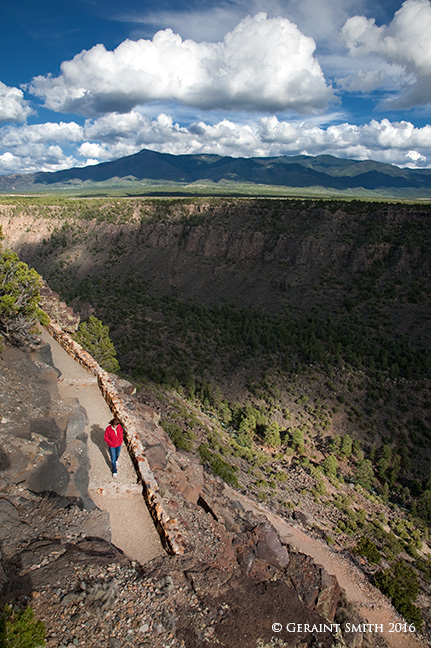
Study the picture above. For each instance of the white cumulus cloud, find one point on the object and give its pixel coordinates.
(405, 42)
(51, 147)
(13, 106)
(11, 136)
(393, 142)
(37, 157)
(38, 147)
(262, 64)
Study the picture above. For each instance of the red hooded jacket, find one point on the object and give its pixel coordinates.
(114, 436)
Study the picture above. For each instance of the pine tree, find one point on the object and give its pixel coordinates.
(365, 473)
(346, 446)
(272, 435)
(93, 336)
(330, 466)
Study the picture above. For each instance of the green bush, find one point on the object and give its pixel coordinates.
(368, 550)
(19, 299)
(401, 585)
(218, 465)
(19, 629)
(93, 336)
(182, 439)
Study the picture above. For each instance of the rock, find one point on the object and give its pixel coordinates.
(19, 430)
(166, 584)
(246, 558)
(58, 310)
(9, 519)
(48, 428)
(51, 475)
(229, 521)
(329, 595)
(125, 386)
(190, 480)
(157, 456)
(14, 461)
(304, 518)
(269, 548)
(305, 577)
(113, 642)
(80, 474)
(237, 506)
(42, 354)
(76, 422)
(97, 525)
(3, 577)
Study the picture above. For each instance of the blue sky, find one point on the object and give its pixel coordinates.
(89, 81)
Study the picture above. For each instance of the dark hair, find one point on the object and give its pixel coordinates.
(114, 421)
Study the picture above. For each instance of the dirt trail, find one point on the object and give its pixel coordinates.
(132, 528)
(372, 605)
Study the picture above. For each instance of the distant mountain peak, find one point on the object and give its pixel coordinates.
(304, 171)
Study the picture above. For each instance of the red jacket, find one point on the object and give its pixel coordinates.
(114, 436)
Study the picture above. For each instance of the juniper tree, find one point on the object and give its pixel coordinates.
(93, 336)
(20, 629)
(19, 299)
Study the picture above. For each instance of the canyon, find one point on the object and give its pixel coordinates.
(315, 314)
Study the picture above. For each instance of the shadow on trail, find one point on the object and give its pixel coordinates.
(97, 436)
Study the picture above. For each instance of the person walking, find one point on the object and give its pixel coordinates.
(114, 439)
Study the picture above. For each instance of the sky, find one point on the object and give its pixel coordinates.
(88, 81)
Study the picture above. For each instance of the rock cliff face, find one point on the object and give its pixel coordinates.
(41, 436)
(269, 254)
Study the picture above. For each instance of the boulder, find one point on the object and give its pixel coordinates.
(76, 422)
(157, 456)
(15, 462)
(48, 428)
(189, 481)
(97, 525)
(269, 548)
(329, 596)
(303, 518)
(51, 475)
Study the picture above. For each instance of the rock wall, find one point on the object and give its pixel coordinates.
(251, 253)
(42, 440)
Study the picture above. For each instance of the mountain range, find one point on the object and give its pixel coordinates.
(299, 171)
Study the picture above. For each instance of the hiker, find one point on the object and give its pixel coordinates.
(114, 439)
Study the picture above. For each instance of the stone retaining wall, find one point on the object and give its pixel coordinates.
(166, 526)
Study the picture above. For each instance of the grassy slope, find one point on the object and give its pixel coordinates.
(224, 188)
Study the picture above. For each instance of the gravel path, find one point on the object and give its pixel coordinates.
(132, 528)
(372, 605)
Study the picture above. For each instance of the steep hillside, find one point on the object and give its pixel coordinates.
(56, 553)
(285, 342)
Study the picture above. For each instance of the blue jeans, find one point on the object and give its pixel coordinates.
(115, 453)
